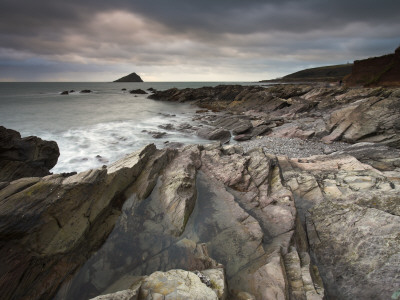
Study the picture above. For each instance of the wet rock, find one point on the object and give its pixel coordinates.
(174, 145)
(25, 157)
(102, 159)
(168, 126)
(156, 134)
(124, 89)
(137, 91)
(86, 91)
(64, 93)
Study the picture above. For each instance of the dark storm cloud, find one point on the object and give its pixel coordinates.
(228, 35)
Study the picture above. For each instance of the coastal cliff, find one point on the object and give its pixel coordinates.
(376, 71)
(221, 221)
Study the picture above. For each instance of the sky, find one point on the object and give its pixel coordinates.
(183, 40)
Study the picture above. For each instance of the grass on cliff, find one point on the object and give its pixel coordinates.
(326, 73)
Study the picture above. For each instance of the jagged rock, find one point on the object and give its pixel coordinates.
(352, 222)
(299, 228)
(25, 157)
(48, 226)
(374, 119)
(356, 115)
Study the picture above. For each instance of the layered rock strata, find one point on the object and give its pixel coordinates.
(329, 114)
(252, 225)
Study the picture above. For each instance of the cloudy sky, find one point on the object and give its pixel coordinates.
(183, 40)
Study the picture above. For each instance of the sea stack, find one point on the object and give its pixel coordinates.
(133, 77)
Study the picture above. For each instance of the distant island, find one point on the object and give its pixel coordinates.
(133, 77)
(326, 73)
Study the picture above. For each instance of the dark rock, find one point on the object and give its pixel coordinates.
(64, 93)
(72, 91)
(242, 127)
(243, 137)
(85, 91)
(137, 91)
(157, 134)
(25, 157)
(133, 77)
(215, 134)
(260, 130)
(151, 89)
(168, 126)
(124, 89)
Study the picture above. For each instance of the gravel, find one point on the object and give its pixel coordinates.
(292, 147)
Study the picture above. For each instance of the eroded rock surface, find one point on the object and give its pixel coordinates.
(254, 225)
(299, 111)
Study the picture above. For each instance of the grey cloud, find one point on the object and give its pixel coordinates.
(232, 34)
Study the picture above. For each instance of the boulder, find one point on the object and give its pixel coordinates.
(86, 91)
(64, 93)
(137, 91)
(25, 157)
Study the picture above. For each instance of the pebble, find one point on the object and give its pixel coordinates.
(292, 147)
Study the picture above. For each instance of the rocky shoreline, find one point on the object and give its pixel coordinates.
(222, 221)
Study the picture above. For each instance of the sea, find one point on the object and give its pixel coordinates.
(97, 128)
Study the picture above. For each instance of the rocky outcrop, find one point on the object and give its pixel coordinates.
(133, 77)
(351, 220)
(298, 111)
(25, 157)
(211, 222)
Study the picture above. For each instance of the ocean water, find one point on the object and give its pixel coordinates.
(96, 128)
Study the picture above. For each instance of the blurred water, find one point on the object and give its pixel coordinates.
(96, 128)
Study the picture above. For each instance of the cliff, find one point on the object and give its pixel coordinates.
(326, 73)
(376, 71)
(133, 77)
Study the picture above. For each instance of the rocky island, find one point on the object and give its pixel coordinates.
(133, 77)
(233, 219)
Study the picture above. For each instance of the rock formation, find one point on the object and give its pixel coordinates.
(25, 157)
(133, 77)
(214, 221)
(329, 114)
(252, 224)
